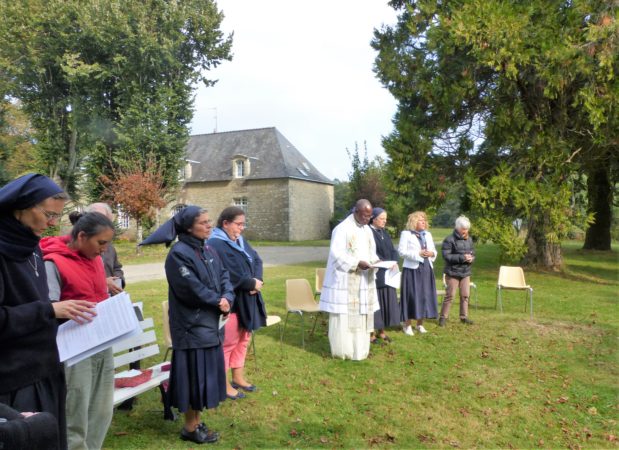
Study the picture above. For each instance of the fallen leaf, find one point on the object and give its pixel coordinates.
(323, 439)
(293, 433)
(593, 411)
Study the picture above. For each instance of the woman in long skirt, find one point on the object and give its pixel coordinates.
(200, 293)
(389, 314)
(418, 292)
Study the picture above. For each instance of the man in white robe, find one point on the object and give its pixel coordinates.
(349, 290)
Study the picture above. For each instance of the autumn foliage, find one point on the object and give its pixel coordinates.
(139, 192)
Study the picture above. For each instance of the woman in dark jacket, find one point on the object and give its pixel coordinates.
(248, 312)
(458, 254)
(199, 294)
(389, 314)
(31, 376)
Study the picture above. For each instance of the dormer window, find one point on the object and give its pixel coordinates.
(240, 166)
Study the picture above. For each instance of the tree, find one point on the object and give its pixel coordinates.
(107, 82)
(139, 192)
(510, 96)
(17, 154)
(365, 180)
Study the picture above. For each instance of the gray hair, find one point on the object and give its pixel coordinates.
(101, 208)
(463, 223)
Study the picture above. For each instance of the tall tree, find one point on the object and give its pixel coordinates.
(106, 82)
(509, 93)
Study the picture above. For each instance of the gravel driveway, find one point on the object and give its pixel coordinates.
(271, 256)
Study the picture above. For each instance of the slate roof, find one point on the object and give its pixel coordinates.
(270, 154)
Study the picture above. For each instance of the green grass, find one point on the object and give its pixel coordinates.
(507, 381)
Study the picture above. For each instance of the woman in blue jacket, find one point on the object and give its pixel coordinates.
(199, 294)
(248, 312)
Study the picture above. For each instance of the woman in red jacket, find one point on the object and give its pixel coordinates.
(75, 271)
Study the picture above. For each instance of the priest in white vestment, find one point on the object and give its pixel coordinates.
(349, 291)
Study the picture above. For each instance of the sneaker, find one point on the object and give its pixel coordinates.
(442, 322)
(466, 321)
(421, 329)
(408, 330)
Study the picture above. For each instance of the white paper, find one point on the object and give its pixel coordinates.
(384, 264)
(115, 320)
(393, 277)
(223, 319)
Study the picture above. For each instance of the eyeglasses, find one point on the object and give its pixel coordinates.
(50, 215)
(240, 224)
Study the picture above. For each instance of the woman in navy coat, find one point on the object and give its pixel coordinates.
(200, 294)
(248, 312)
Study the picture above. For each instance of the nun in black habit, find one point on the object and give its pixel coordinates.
(389, 314)
(200, 294)
(31, 375)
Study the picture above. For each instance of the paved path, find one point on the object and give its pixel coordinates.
(271, 256)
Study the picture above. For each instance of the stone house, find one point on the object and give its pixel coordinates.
(284, 196)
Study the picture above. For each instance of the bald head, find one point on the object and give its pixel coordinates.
(101, 208)
(363, 211)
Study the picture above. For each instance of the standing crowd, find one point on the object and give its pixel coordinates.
(362, 304)
(215, 281)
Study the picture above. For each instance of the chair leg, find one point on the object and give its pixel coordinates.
(531, 297)
(475, 297)
(281, 336)
(315, 320)
(253, 346)
(302, 330)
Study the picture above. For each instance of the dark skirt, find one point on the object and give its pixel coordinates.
(197, 378)
(418, 293)
(389, 314)
(46, 395)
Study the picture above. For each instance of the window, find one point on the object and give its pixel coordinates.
(239, 168)
(122, 218)
(241, 202)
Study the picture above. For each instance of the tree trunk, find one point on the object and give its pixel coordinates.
(600, 194)
(138, 236)
(540, 251)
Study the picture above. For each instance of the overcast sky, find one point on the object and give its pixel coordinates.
(304, 67)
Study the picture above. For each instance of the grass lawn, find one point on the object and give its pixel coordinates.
(505, 382)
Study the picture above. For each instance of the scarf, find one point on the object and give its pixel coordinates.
(238, 245)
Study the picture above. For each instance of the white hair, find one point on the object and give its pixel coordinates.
(463, 223)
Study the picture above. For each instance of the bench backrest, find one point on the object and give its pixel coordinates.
(147, 340)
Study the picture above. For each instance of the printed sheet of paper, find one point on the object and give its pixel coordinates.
(393, 277)
(115, 320)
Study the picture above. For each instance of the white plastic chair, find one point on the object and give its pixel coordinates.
(511, 277)
(299, 300)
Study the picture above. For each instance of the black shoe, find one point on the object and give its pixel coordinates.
(442, 322)
(200, 435)
(466, 321)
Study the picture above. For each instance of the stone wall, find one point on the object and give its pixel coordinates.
(277, 209)
(311, 208)
(267, 204)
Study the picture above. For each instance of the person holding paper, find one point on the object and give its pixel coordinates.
(248, 312)
(459, 254)
(349, 291)
(75, 271)
(31, 375)
(200, 295)
(418, 292)
(389, 314)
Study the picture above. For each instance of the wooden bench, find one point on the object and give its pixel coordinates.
(137, 348)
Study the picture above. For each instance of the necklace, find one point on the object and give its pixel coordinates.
(34, 266)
